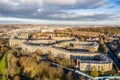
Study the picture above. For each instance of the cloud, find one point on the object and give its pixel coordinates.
(96, 16)
(53, 9)
(53, 4)
(75, 4)
(115, 10)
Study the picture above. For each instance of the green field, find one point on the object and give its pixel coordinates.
(0, 78)
(3, 63)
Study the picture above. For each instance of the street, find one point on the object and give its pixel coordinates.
(114, 58)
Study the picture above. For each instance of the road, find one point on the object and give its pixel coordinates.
(114, 58)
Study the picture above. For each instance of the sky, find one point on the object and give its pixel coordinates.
(73, 12)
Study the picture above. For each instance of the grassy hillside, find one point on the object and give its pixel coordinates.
(3, 63)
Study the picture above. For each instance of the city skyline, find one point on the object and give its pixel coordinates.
(73, 12)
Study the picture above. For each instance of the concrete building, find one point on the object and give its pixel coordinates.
(85, 60)
(98, 61)
(79, 45)
(16, 42)
(59, 47)
(47, 30)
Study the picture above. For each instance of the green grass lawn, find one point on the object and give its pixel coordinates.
(3, 63)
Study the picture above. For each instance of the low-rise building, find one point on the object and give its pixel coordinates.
(16, 42)
(85, 60)
(58, 47)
